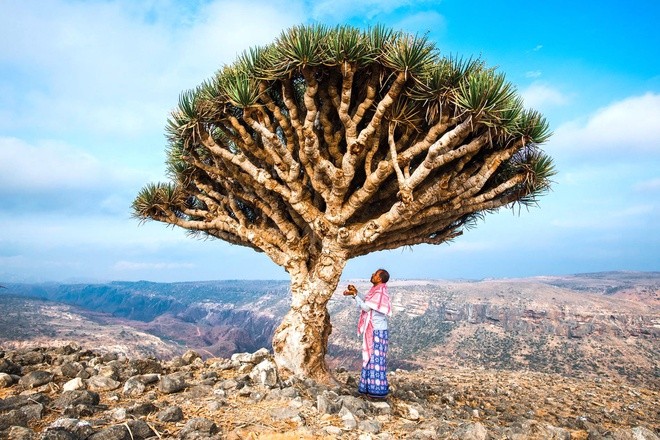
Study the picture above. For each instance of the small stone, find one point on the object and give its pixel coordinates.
(241, 357)
(119, 414)
(139, 429)
(36, 378)
(381, 407)
(31, 358)
(245, 368)
(222, 365)
(355, 405)
(84, 374)
(76, 397)
(102, 383)
(58, 434)
(170, 414)
(370, 426)
(33, 411)
(296, 402)
(189, 356)
(171, 384)
(333, 430)
(257, 396)
(265, 373)
(424, 434)
(142, 409)
(216, 405)
(199, 391)
(259, 356)
(642, 433)
(79, 411)
(74, 384)
(144, 366)
(109, 357)
(470, 431)
(14, 417)
(5, 380)
(348, 418)
(117, 432)
(328, 403)
(198, 428)
(134, 387)
(19, 433)
(228, 384)
(283, 413)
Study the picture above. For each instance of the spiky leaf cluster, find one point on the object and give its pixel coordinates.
(367, 139)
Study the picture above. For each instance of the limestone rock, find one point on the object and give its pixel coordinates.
(74, 384)
(265, 373)
(5, 380)
(36, 378)
(80, 428)
(470, 431)
(170, 414)
(190, 356)
(171, 383)
(199, 428)
(328, 403)
(77, 397)
(102, 383)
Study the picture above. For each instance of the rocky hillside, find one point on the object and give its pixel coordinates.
(597, 325)
(72, 393)
(593, 325)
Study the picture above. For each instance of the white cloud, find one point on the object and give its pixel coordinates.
(244, 24)
(539, 95)
(625, 128)
(74, 70)
(52, 165)
(533, 74)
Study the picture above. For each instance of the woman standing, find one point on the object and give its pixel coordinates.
(375, 308)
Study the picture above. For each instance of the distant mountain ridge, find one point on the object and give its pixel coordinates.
(593, 324)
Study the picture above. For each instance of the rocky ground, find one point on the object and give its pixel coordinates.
(72, 393)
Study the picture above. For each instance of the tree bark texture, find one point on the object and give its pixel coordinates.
(300, 342)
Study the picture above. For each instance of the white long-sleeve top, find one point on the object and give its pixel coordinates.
(378, 319)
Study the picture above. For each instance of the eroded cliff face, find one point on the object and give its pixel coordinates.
(573, 328)
(557, 320)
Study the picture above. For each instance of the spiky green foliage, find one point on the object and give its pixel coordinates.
(369, 137)
(156, 201)
(414, 55)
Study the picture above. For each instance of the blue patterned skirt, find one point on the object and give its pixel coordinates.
(373, 380)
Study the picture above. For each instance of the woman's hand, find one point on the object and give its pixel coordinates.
(350, 290)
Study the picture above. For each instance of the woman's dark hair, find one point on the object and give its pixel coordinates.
(384, 275)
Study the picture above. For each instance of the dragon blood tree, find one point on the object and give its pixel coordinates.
(331, 143)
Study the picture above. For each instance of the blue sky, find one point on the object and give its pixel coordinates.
(86, 88)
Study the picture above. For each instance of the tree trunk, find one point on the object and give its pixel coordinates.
(300, 342)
